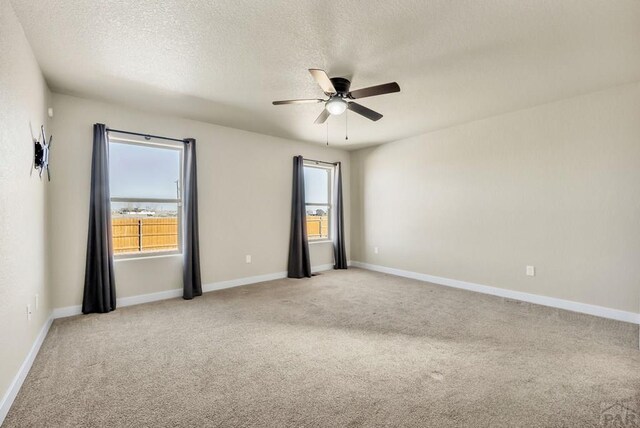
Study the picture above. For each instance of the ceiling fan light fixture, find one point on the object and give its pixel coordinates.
(336, 106)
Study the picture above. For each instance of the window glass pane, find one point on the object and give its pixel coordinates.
(316, 185)
(143, 227)
(318, 221)
(143, 172)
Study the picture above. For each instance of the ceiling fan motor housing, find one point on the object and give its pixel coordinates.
(341, 85)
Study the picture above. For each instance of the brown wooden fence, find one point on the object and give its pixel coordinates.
(133, 235)
(143, 234)
(317, 226)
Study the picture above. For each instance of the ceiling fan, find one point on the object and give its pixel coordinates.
(337, 89)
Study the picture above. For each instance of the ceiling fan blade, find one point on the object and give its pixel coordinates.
(323, 80)
(307, 101)
(323, 117)
(371, 91)
(366, 112)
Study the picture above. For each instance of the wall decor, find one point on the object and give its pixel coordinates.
(41, 154)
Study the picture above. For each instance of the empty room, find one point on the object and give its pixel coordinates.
(320, 213)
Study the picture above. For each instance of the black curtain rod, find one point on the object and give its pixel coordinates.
(319, 161)
(146, 136)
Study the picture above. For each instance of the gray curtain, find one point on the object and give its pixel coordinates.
(99, 284)
(299, 263)
(339, 253)
(191, 267)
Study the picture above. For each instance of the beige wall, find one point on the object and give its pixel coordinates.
(556, 186)
(239, 174)
(23, 267)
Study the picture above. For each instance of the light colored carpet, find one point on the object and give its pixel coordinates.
(353, 348)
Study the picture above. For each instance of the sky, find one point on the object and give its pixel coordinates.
(150, 172)
(315, 185)
(138, 171)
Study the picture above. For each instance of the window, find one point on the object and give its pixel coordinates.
(317, 190)
(145, 181)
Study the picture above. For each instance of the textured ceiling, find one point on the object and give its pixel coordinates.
(225, 61)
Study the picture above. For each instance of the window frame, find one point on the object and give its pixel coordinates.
(330, 168)
(178, 201)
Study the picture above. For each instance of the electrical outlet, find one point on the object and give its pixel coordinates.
(531, 271)
(247, 258)
(28, 312)
(37, 301)
(375, 250)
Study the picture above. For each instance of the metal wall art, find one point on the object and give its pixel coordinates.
(41, 154)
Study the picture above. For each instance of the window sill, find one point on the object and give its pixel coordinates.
(133, 257)
(321, 241)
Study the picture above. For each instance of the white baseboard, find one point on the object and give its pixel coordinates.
(15, 385)
(70, 311)
(322, 268)
(177, 292)
(67, 311)
(221, 285)
(599, 311)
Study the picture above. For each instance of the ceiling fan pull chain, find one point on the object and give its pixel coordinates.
(346, 125)
(327, 132)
